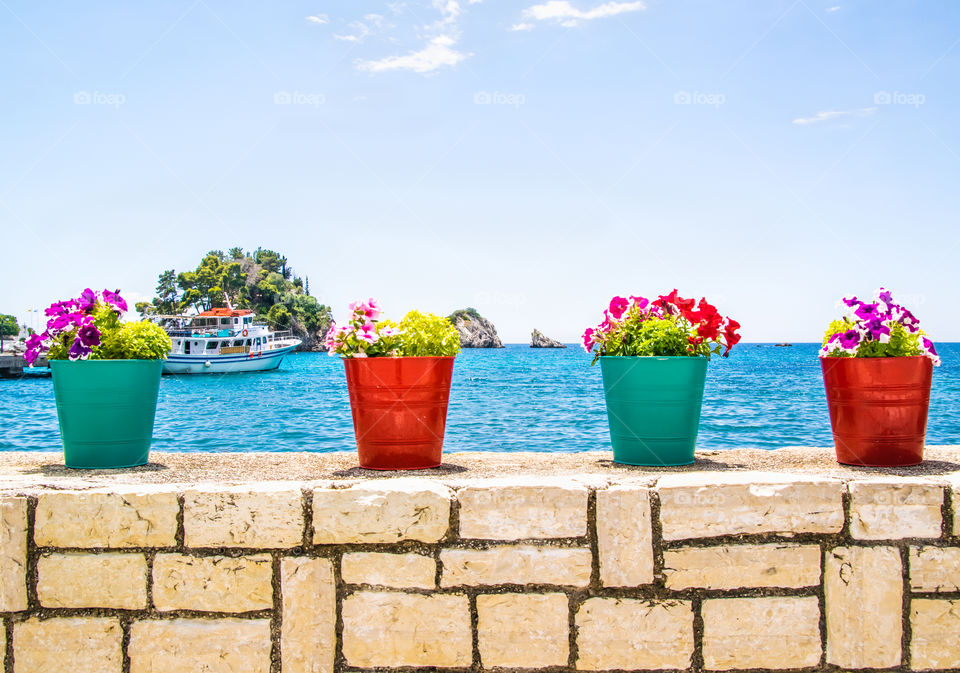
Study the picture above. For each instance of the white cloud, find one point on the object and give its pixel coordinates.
(319, 18)
(568, 16)
(437, 53)
(521, 27)
(439, 41)
(828, 115)
(833, 9)
(359, 31)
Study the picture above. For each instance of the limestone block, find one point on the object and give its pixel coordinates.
(934, 626)
(521, 509)
(523, 630)
(632, 634)
(400, 571)
(516, 564)
(212, 583)
(742, 565)
(268, 517)
(863, 587)
(93, 519)
(308, 629)
(625, 536)
(390, 629)
(13, 554)
(771, 633)
(935, 568)
(111, 580)
(68, 645)
(200, 645)
(893, 510)
(402, 509)
(699, 505)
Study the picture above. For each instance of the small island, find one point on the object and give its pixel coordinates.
(540, 340)
(475, 330)
(260, 280)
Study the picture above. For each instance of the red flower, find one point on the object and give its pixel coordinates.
(730, 335)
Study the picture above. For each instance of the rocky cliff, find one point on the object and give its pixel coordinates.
(540, 340)
(475, 330)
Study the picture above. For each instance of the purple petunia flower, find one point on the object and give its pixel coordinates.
(908, 320)
(876, 329)
(115, 300)
(867, 311)
(851, 301)
(89, 335)
(87, 300)
(60, 322)
(850, 339)
(78, 351)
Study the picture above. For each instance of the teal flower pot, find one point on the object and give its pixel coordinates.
(653, 407)
(106, 410)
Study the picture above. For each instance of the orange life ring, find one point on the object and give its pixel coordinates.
(245, 333)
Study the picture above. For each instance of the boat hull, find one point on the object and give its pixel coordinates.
(225, 364)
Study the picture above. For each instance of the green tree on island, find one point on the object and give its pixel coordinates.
(261, 281)
(8, 327)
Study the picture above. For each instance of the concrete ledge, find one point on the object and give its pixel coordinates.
(302, 563)
(45, 469)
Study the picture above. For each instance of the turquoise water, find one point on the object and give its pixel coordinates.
(515, 399)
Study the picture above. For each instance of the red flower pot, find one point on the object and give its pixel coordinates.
(878, 408)
(399, 409)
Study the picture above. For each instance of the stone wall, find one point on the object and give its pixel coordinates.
(702, 571)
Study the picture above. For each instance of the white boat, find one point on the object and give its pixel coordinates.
(223, 340)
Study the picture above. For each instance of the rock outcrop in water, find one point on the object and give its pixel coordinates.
(540, 340)
(475, 330)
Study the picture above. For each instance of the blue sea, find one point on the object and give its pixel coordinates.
(511, 399)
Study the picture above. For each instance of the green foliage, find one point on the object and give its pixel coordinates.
(467, 314)
(902, 343)
(135, 341)
(118, 341)
(8, 325)
(666, 337)
(426, 334)
(279, 316)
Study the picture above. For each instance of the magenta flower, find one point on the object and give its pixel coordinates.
(78, 350)
(89, 335)
(61, 307)
(115, 300)
(617, 306)
(87, 300)
(588, 340)
(850, 339)
(867, 311)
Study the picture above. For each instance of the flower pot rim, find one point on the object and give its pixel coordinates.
(123, 360)
(654, 357)
(403, 357)
(885, 357)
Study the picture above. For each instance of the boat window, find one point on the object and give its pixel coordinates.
(186, 347)
(248, 342)
(238, 342)
(224, 321)
(212, 345)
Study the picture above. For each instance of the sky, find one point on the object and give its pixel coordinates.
(530, 159)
